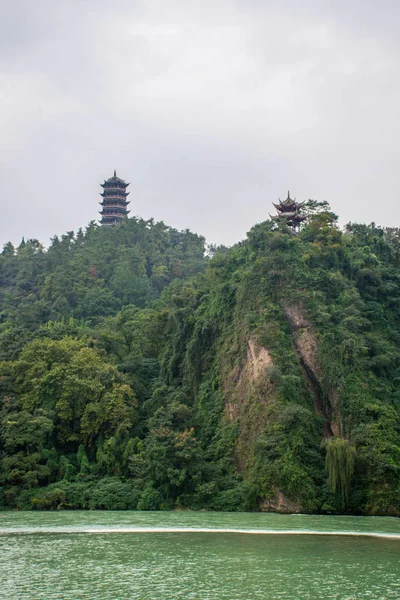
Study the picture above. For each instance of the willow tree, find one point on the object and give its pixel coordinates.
(340, 459)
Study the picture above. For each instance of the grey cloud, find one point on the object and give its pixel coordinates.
(212, 110)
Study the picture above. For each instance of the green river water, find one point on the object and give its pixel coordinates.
(215, 556)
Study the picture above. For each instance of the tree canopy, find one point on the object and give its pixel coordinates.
(138, 370)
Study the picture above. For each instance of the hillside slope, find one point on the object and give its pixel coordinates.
(268, 380)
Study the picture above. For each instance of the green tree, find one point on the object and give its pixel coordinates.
(340, 460)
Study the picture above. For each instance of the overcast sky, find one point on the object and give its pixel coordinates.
(210, 108)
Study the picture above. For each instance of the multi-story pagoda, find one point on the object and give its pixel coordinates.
(290, 211)
(114, 203)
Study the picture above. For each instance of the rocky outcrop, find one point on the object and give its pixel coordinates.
(250, 400)
(279, 503)
(258, 360)
(305, 343)
(243, 383)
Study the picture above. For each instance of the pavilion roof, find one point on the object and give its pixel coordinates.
(288, 203)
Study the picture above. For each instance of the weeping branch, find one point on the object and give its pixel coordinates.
(340, 460)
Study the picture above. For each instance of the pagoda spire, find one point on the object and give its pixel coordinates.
(114, 200)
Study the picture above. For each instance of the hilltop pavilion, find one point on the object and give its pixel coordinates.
(290, 211)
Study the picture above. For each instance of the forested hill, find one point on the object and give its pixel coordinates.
(85, 277)
(137, 373)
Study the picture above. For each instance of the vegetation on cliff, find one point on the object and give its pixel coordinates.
(137, 372)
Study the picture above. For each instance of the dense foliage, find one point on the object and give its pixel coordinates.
(136, 372)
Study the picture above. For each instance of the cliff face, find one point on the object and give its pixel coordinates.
(250, 398)
(251, 402)
(305, 343)
(312, 388)
(245, 382)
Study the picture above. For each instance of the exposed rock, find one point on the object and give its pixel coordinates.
(279, 503)
(296, 316)
(258, 359)
(306, 346)
(304, 338)
(241, 382)
(250, 400)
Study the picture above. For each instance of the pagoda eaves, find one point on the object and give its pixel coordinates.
(114, 203)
